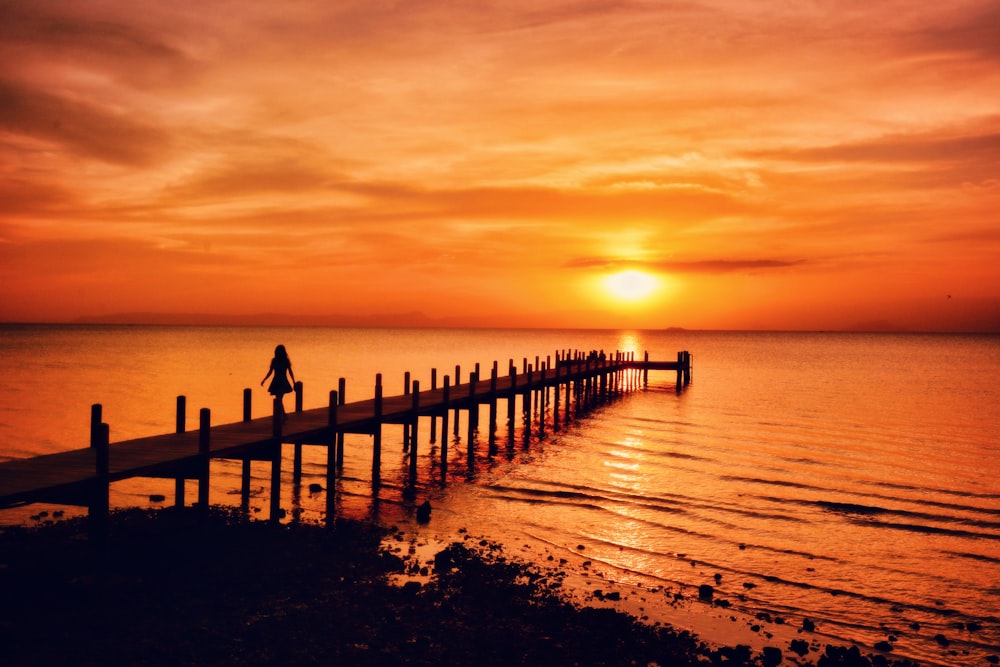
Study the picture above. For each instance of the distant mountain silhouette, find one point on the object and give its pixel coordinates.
(877, 326)
(411, 319)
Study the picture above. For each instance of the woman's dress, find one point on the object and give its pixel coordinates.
(279, 385)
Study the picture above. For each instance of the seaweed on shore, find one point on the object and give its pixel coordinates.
(173, 587)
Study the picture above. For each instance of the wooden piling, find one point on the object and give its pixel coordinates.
(526, 403)
(555, 396)
(473, 418)
(341, 398)
(680, 372)
(543, 392)
(377, 435)
(276, 481)
(492, 401)
(331, 457)
(511, 401)
(277, 415)
(181, 420)
(180, 424)
(458, 381)
(204, 456)
(446, 396)
(296, 463)
(297, 447)
(415, 406)
(100, 499)
(245, 473)
(569, 400)
(406, 425)
(434, 386)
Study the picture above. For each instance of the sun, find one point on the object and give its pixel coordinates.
(631, 285)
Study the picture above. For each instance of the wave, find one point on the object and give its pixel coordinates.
(978, 557)
(870, 510)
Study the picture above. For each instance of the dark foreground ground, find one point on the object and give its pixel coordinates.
(170, 589)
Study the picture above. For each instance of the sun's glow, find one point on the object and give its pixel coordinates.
(631, 285)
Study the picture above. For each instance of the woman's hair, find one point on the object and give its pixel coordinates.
(280, 353)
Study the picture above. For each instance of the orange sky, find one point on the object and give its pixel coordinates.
(770, 164)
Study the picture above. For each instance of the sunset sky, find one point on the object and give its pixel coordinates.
(755, 164)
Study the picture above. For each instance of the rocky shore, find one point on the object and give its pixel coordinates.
(173, 587)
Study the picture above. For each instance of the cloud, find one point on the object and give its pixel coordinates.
(35, 36)
(708, 266)
(251, 176)
(975, 31)
(34, 197)
(980, 149)
(80, 128)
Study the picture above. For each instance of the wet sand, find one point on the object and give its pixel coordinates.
(170, 587)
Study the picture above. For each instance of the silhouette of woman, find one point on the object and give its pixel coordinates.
(281, 367)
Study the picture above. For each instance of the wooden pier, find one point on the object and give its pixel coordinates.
(575, 383)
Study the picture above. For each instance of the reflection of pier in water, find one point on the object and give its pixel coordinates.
(573, 385)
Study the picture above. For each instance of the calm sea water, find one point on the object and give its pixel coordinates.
(850, 479)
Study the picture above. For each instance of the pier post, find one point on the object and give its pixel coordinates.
(539, 390)
(680, 371)
(180, 426)
(555, 397)
(571, 370)
(406, 424)
(618, 373)
(181, 421)
(511, 400)
(605, 390)
(331, 457)
(546, 401)
(473, 418)
(413, 433)
(341, 400)
(276, 482)
(635, 373)
(205, 456)
(543, 393)
(591, 383)
(245, 475)
(577, 389)
(297, 463)
(434, 386)
(687, 368)
(458, 381)
(297, 448)
(100, 502)
(297, 455)
(526, 404)
(96, 415)
(276, 413)
(445, 397)
(645, 370)
(377, 435)
(493, 410)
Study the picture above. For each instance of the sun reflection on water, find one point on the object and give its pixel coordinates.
(629, 343)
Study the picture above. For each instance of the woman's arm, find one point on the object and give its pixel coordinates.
(269, 371)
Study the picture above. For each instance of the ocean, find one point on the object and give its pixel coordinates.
(844, 482)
